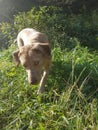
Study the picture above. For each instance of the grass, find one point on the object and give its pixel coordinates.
(70, 101)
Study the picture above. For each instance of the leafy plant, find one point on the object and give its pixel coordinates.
(70, 100)
(60, 27)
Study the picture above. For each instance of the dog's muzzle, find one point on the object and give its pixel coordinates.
(34, 82)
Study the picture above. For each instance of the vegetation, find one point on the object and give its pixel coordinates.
(8, 8)
(61, 28)
(70, 101)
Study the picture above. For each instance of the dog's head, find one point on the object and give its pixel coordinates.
(33, 60)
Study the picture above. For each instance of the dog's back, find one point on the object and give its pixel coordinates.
(30, 36)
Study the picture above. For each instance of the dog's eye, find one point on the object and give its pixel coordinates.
(36, 63)
(25, 65)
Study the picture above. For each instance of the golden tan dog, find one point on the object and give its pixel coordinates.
(35, 55)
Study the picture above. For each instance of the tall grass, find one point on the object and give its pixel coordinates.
(70, 101)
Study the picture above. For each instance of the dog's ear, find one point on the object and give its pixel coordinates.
(16, 57)
(46, 48)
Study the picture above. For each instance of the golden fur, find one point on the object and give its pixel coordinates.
(35, 55)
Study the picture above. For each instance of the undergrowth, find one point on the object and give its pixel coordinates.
(70, 101)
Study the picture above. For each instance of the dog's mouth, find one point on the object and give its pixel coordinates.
(34, 82)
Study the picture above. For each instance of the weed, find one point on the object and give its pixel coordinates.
(70, 101)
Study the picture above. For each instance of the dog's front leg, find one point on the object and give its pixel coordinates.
(43, 81)
(47, 66)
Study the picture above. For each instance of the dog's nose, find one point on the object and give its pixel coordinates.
(34, 82)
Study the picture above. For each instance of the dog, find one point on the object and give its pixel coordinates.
(34, 54)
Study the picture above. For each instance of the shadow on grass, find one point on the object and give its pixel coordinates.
(64, 75)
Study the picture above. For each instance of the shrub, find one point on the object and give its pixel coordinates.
(59, 26)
